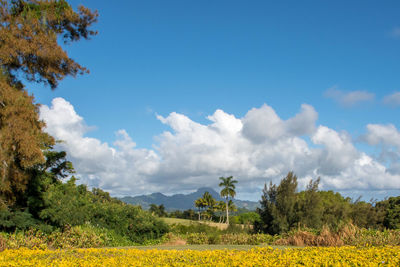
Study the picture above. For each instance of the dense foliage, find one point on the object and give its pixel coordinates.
(283, 208)
(52, 204)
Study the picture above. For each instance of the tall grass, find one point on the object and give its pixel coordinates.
(348, 234)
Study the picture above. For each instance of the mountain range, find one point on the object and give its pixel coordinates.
(181, 201)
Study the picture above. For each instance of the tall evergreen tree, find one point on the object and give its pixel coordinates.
(267, 211)
(277, 210)
(29, 35)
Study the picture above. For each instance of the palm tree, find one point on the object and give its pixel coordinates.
(210, 203)
(200, 204)
(227, 191)
(221, 208)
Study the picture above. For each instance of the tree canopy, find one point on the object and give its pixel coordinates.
(29, 35)
(29, 51)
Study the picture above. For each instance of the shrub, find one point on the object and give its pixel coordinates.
(29, 239)
(193, 228)
(76, 237)
(16, 220)
(197, 239)
(237, 239)
(364, 237)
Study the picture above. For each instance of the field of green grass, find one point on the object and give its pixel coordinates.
(186, 222)
(178, 221)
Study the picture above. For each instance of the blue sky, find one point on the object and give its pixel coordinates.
(195, 57)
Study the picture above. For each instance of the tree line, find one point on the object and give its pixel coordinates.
(283, 208)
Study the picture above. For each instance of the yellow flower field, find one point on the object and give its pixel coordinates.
(310, 256)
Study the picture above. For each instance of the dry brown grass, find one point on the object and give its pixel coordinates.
(3, 243)
(324, 239)
(173, 240)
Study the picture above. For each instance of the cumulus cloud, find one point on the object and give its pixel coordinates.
(258, 148)
(383, 134)
(262, 124)
(392, 100)
(349, 99)
(387, 138)
(122, 168)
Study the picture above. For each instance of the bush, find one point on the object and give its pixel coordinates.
(84, 236)
(193, 228)
(30, 239)
(364, 237)
(247, 239)
(197, 239)
(76, 237)
(80, 206)
(16, 220)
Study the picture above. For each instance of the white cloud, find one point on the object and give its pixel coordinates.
(392, 100)
(387, 138)
(255, 149)
(119, 169)
(383, 134)
(338, 152)
(349, 99)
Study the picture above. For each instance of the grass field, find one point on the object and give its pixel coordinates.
(221, 226)
(178, 221)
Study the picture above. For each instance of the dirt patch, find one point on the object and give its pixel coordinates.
(177, 242)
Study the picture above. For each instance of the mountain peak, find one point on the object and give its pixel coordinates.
(206, 189)
(181, 201)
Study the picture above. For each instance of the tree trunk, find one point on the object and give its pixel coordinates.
(227, 212)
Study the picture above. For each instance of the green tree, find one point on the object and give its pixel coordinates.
(67, 204)
(268, 210)
(153, 209)
(200, 204)
(309, 207)
(336, 208)
(228, 190)
(158, 210)
(392, 218)
(364, 214)
(277, 210)
(188, 214)
(249, 218)
(221, 207)
(210, 203)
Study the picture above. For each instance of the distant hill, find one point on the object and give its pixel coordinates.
(181, 201)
